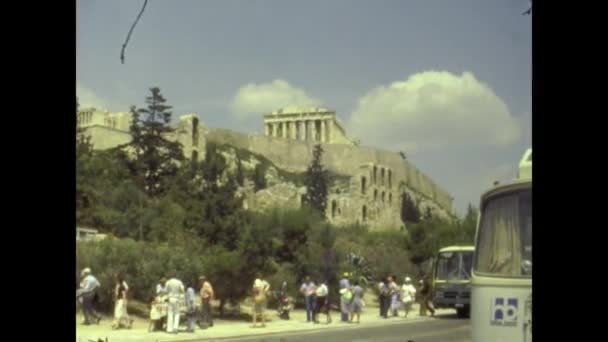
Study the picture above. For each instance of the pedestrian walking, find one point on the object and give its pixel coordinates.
(426, 297)
(308, 289)
(121, 316)
(88, 292)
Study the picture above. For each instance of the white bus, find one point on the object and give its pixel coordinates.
(452, 279)
(501, 282)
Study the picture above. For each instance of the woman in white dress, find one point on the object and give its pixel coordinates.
(408, 293)
(121, 317)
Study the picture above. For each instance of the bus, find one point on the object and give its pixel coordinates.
(452, 279)
(501, 282)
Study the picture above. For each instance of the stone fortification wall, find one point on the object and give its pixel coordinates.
(103, 138)
(295, 156)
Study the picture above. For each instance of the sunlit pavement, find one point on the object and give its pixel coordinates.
(228, 329)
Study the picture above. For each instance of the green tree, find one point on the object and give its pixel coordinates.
(317, 181)
(259, 179)
(468, 226)
(240, 176)
(106, 195)
(156, 158)
(428, 213)
(409, 209)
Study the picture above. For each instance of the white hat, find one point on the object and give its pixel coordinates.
(86, 271)
(408, 279)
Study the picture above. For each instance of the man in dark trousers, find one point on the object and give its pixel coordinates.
(384, 298)
(308, 289)
(426, 296)
(206, 298)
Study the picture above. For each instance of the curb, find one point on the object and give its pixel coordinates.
(315, 330)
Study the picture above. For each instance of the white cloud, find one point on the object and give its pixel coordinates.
(434, 109)
(87, 98)
(256, 99)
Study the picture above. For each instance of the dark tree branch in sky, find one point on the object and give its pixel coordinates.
(529, 11)
(124, 46)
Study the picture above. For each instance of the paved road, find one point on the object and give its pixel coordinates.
(442, 329)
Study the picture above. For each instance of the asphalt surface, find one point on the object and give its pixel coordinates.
(442, 329)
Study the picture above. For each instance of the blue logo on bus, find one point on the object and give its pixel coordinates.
(504, 312)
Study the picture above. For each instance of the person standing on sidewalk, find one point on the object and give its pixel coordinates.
(261, 288)
(408, 293)
(191, 308)
(90, 286)
(308, 289)
(344, 306)
(175, 289)
(384, 298)
(322, 300)
(357, 302)
(394, 295)
(346, 302)
(207, 296)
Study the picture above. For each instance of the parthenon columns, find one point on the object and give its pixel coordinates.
(318, 130)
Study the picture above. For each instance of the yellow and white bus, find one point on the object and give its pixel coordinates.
(501, 282)
(452, 279)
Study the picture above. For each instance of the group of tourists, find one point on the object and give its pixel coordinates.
(172, 299)
(393, 297)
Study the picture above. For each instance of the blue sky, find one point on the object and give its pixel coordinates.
(448, 82)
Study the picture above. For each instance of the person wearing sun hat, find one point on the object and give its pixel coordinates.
(408, 293)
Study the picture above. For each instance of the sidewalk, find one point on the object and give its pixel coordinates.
(230, 329)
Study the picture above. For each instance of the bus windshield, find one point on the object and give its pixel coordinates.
(504, 243)
(454, 266)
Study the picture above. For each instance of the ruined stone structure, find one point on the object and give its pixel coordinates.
(372, 180)
(306, 124)
(108, 130)
(376, 178)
